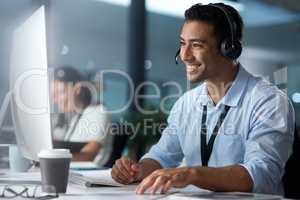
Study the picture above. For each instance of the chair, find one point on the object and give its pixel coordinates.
(292, 174)
(121, 135)
(74, 147)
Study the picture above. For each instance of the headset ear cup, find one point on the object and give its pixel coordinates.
(230, 51)
(237, 49)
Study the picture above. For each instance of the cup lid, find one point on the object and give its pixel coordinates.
(55, 153)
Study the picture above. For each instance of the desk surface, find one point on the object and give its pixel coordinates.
(76, 192)
(128, 193)
(107, 193)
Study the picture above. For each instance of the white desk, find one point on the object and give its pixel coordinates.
(128, 193)
(77, 192)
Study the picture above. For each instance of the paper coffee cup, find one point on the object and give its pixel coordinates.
(54, 165)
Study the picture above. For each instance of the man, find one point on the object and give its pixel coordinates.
(234, 130)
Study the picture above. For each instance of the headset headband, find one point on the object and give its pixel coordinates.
(228, 18)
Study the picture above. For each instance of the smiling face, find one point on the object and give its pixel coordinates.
(199, 51)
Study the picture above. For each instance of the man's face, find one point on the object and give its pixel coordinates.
(199, 51)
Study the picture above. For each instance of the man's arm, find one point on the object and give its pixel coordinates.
(166, 153)
(226, 179)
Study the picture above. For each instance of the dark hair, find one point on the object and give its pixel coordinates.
(69, 74)
(215, 17)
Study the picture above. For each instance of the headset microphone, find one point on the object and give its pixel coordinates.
(176, 56)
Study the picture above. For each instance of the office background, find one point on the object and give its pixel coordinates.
(94, 35)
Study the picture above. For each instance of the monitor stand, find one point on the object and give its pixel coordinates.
(4, 108)
(3, 111)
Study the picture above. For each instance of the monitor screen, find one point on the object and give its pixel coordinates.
(29, 86)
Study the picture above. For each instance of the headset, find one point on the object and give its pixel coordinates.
(230, 47)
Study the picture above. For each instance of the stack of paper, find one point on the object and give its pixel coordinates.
(92, 178)
(84, 166)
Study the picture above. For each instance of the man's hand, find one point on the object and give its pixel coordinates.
(164, 179)
(126, 171)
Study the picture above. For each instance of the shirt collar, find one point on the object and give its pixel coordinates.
(204, 98)
(233, 95)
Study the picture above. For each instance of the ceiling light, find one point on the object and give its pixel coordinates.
(172, 8)
(178, 7)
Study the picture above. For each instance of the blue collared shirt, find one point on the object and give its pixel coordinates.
(257, 132)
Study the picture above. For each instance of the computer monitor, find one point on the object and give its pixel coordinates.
(29, 86)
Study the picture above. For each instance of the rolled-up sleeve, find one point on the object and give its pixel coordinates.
(168, 151)
(269, 143)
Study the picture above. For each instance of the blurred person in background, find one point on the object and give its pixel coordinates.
(79, 120)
